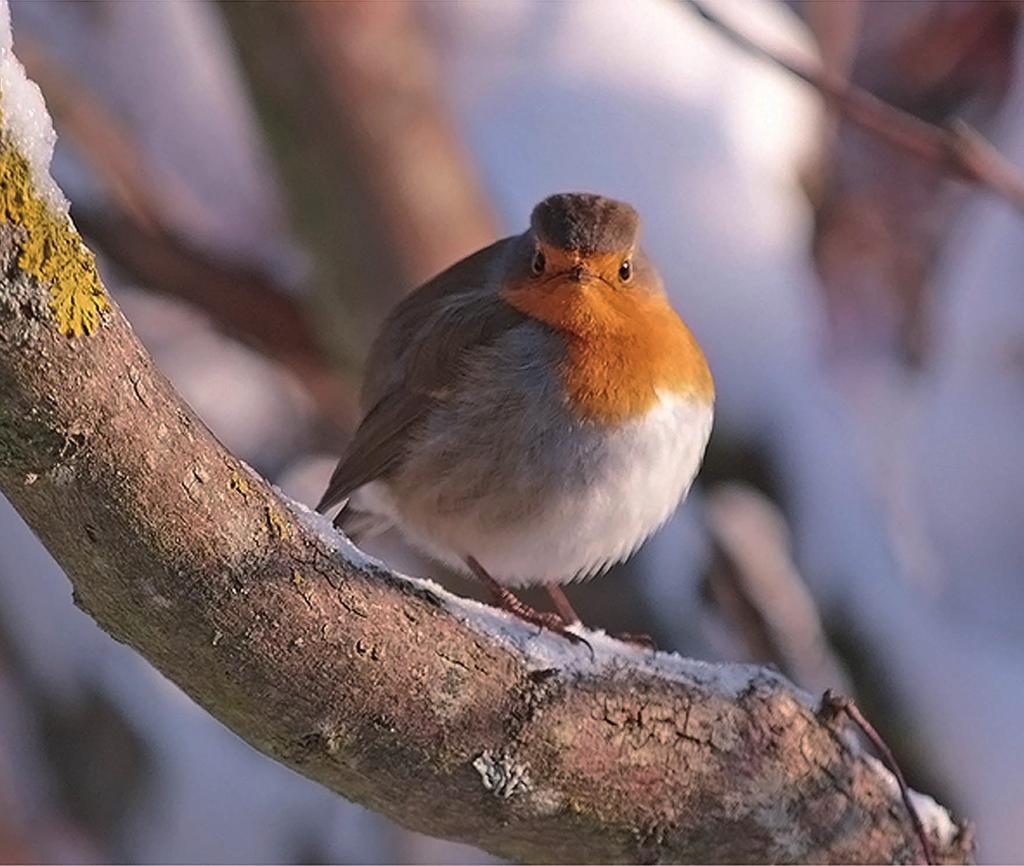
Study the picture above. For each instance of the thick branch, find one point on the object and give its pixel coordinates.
(441, 713)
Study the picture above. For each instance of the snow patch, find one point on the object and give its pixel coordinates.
(937, 822)
(25, 119)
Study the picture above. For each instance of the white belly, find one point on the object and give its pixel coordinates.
(591, 505)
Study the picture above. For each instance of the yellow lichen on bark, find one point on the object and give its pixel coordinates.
(49, 247)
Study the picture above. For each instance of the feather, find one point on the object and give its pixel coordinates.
(416, 358)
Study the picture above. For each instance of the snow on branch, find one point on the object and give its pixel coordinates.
(442, 713)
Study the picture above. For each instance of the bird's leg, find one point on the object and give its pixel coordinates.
(506, 600)
(561, 603)
(569, 616)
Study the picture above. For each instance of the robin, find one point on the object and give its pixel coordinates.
(534, 412)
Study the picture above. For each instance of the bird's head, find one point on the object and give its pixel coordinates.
(581, 256)
(578, 241)
(580, 270)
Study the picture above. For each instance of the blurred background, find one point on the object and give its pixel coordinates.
(261, 182)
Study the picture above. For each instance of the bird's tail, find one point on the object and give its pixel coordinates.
(360, 525)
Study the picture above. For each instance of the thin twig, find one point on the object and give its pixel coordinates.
(832, 705)
(958, 149)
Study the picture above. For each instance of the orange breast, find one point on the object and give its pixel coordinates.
(623, 347)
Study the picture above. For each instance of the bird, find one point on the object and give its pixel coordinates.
(533, 413)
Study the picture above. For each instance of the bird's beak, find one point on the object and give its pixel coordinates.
(579, 276)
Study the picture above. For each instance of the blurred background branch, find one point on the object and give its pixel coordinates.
(133, 230)
(383, 192)
(958, 150)
(758, 589)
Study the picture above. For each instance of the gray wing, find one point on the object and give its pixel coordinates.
(414, 361)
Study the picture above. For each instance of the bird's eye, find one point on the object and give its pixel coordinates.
(626, 270)
(537, 266)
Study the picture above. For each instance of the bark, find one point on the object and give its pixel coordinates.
(444, 715)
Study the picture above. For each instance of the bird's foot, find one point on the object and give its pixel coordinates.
(508, 601)
(569, 616)
(542, 618)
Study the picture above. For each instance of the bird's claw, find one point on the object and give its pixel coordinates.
(554, 624)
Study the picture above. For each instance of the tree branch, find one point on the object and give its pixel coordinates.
(439, 712)
(958, 150)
